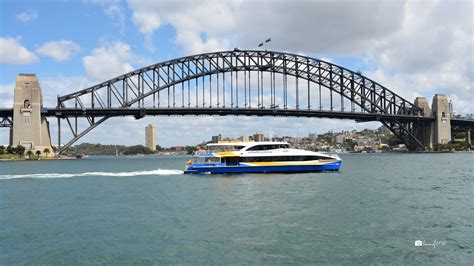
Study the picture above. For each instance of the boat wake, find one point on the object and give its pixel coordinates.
(68, 175)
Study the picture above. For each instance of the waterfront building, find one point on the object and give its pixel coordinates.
(150, 140)
(216, 139)
(258, 137)
(245, 138)
(340, 139)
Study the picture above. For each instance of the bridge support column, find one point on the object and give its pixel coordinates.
(11, 137)
(425, 133)
(439, 131)
(442, 125)
(30, 129)
(469, 137)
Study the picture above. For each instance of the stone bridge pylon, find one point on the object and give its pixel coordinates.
(439, 130)
(30, 128)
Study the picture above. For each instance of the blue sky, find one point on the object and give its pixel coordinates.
(85, 23)
(415, 48)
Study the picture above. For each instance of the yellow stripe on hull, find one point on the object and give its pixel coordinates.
(226, 154)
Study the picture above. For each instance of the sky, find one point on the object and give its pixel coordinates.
(415, 48)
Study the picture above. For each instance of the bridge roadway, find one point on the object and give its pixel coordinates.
(141, 112)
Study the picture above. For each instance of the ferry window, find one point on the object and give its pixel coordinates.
(283, 158)
(223, 148)
(255, 148)
(267, 147)
(206, 160)
(231, 159)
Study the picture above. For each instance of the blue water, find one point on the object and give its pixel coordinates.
(142, 210)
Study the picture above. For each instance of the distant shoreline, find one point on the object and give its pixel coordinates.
(36, 159)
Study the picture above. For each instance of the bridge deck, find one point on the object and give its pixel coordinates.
(141, 112)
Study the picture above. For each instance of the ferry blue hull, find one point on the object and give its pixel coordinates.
(226, 169)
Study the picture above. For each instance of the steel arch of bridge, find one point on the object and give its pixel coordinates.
(6, 121)
(191, 78)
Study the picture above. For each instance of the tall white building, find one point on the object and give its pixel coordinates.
(150, 141)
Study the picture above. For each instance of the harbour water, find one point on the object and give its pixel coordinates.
(143, 210)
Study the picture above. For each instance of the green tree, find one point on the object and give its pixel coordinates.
(29, 153)
(38, 153)
(2, 149)
(391, 140)
(10, 149)
(46, 151)
(190, 149)
(20, 150)
(354, 144)
(461, 135)
(137, 149)
(328, 138)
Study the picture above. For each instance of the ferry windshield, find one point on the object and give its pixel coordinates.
(224, 148)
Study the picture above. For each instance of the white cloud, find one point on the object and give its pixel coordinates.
(192, 20)
(431, 34)
(334, 27)
(27, 15)
(6, 94)
(421, 47)
(431, 53)
(52, 86)
(108, 61)
(114, 10)
(59, 50)
(412, 85)
(309, 26)
(12, 52)
(146, 21)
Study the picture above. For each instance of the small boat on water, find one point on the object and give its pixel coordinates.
(259, 157)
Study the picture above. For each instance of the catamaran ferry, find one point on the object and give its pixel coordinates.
(259, 157)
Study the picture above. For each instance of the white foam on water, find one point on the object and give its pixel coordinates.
(66, 175)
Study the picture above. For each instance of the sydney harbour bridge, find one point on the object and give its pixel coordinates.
(238, 82)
